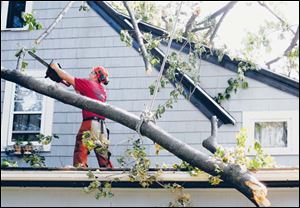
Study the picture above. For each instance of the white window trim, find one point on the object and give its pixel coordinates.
(292, 118)
(4, 13)
(7, 115)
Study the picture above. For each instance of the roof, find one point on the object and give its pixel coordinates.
(200, 98)
(62, 177)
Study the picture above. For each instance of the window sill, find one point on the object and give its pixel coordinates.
(14, 29)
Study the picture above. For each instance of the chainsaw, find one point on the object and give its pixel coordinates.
(51, 73)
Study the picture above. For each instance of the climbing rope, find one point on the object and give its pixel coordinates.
(147, 115)
(165, 58)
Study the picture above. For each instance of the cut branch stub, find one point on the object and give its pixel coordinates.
(211, 142)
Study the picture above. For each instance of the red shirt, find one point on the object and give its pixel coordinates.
(92, 90)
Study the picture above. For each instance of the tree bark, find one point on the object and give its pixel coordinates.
(240, 179)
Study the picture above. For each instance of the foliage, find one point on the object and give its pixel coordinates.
(193, 171)
(102, 189)
(125, 37)
(143, 10)
(239, 154)
(236, 156)
(95, 142)
(84, 7)
(182, 199)
(235, 83)
(20, 53)
(30, 20)
(8, 163)
(35, 159)
(140, 169)
(214, 180)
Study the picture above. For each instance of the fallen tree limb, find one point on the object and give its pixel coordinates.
(239, 178)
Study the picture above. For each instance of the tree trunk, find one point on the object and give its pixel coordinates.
(240, 179)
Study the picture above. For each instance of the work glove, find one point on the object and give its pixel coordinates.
(51, 73)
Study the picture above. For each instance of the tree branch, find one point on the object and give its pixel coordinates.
(217, 27)
(293, 44)
(263, 4)
(57, 20)
(139, 38)
(201, 28)
(239, 178)
(191, 21)
(227, 7)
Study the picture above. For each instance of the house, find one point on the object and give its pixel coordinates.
(85, 39)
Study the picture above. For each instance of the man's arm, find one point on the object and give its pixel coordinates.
(62, 74)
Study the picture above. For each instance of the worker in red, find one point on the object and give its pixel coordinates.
(94, 123)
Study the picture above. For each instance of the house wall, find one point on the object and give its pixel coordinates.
(259, 97)
(75, 197)
(83, 40)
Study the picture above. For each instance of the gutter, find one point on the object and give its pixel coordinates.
(61, 177)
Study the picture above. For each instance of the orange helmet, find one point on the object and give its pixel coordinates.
(102, 74)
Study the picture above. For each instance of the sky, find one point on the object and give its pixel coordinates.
(247, 16)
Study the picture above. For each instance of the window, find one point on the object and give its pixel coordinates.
(25, 114)
(277, 132)
(11, 14)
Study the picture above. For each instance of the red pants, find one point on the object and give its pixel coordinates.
(81, 152)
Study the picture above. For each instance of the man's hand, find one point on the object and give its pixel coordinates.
(55, 66)
(62, 74)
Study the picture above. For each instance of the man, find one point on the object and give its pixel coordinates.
(94, 123)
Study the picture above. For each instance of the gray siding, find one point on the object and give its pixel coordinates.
(83, 40)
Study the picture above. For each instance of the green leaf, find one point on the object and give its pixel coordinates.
(55, 136)
(152, 88)
(24, 64)
(154, 61)
(227, 96)
(245, 85)
(257, 146)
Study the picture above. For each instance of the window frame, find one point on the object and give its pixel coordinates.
(4, 13)
(292, 119)
(8, 109)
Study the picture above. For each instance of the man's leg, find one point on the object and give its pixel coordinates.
(103, 160)
(80, 151)
(103, 156)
